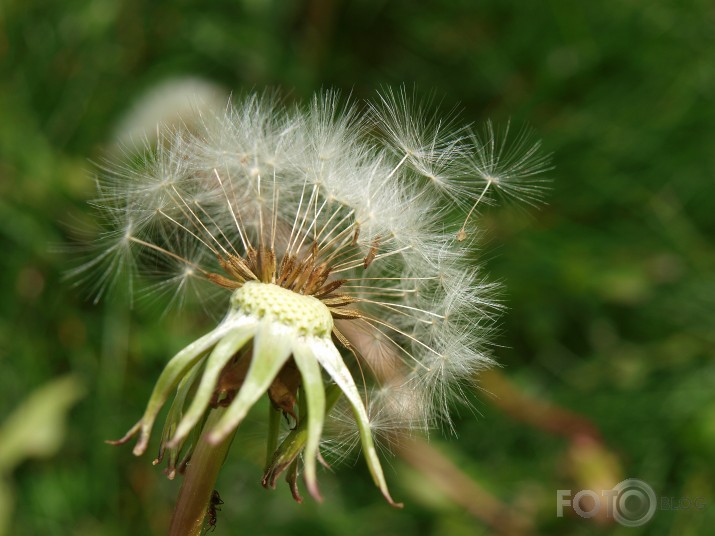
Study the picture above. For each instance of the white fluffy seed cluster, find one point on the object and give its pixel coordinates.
(384, 193)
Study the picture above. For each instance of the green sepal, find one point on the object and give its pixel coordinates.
(294, 443)
(170, 377)
(186, 387)
(314, 392)
(271, 350)
(331, 360)
(222, 353)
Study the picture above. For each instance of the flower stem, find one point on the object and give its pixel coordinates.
(274, 423)
(199, 481)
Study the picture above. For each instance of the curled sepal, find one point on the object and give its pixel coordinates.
(287, 452)
(226, 348)
(331, 360)
(285, 455)
(315, 416)
(168, 380)
(271, 350)
(186, 386)
(292, 480)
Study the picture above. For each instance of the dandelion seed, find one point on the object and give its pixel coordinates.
(340, 262)
(512, 167)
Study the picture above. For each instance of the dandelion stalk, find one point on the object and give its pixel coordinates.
(199, 481)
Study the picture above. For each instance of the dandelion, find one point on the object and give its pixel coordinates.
(336, 238)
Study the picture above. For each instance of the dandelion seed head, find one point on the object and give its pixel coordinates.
(329, 234)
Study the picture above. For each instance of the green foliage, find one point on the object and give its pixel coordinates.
(610, 287)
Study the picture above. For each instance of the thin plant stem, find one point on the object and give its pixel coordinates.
(274, 423)
(199, 481)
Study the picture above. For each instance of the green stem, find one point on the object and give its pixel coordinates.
(274, 423)
(199, 481)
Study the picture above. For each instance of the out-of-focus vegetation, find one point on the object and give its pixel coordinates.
(609, 341)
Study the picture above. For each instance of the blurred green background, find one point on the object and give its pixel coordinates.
(608, 343)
